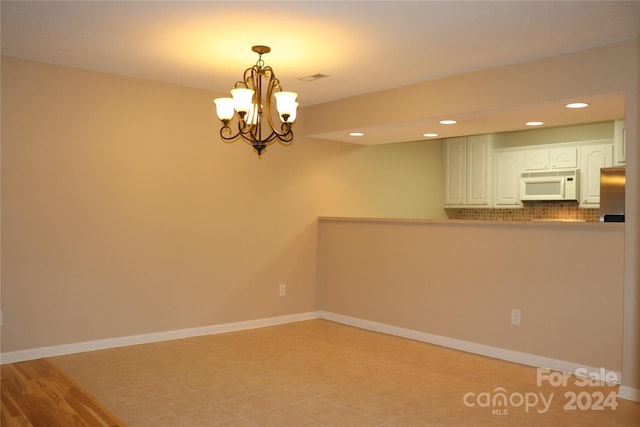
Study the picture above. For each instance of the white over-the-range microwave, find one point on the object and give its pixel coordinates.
(561, 184)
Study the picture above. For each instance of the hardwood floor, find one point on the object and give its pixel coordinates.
(311, 373)
(36, 393)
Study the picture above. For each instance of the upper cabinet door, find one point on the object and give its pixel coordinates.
(455, 171)
(619, 143)
(479, 149)
(551, 158)
(536, 159)
(593, 158)
(563, 158)
(468, 173)
(508, 167)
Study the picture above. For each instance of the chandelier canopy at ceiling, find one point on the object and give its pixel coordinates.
(251, 103)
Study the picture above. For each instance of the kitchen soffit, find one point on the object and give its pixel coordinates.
(602, 108)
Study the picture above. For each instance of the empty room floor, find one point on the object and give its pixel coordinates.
(321, 373)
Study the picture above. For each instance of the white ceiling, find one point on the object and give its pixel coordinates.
(363, 46)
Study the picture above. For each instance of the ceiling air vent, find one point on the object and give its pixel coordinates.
(313, 77)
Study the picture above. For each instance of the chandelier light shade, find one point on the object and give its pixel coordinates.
(251, 104)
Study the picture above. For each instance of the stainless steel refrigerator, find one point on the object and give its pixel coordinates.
(612, 184)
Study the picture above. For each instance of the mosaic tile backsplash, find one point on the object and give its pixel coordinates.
(530, 211)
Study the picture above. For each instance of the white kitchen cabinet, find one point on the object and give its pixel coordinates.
(455, 170)
(551, 158)
(563, 158)
(592, 159)
(468, 171)
(536, 159)
(619, 142)
(479, 150)
(508, 168)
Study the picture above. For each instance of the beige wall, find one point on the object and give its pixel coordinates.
(399, 181)
(124, 213)
(462, 281)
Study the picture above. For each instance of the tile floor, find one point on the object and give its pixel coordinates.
(320, 373)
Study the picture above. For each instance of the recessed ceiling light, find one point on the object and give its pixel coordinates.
(577, 105)
(430, 135)
(534, 123)
(356, 134)
(448, 122)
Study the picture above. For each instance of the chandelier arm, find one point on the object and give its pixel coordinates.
(268, 140)
(257, 86)
(274, 85)
(242, 132)
(272, 81)
(248, 76)
(287, 137)
(231, 137)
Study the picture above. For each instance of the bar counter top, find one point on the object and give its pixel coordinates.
(558, 223)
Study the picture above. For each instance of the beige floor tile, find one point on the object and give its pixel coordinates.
(283, 416)
(247, 405)
(317, 407)
(261, 383)
(287, 394)
(162, 421)
(385, 410)
(227, 391)
(119, 397)
(196, 380)
(344, 417)
(138, 412)
(182, 401)
(159, 388)
(349, 396)
(208, 415)
(439, 417)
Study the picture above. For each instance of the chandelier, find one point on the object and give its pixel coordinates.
(252, 101)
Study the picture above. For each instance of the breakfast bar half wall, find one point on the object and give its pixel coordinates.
(459, 281)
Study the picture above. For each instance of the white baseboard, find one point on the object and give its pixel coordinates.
(629, 393)
(60, 350)
(481, 349)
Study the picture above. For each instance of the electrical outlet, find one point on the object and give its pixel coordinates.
(282, 290)
(516, 317)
